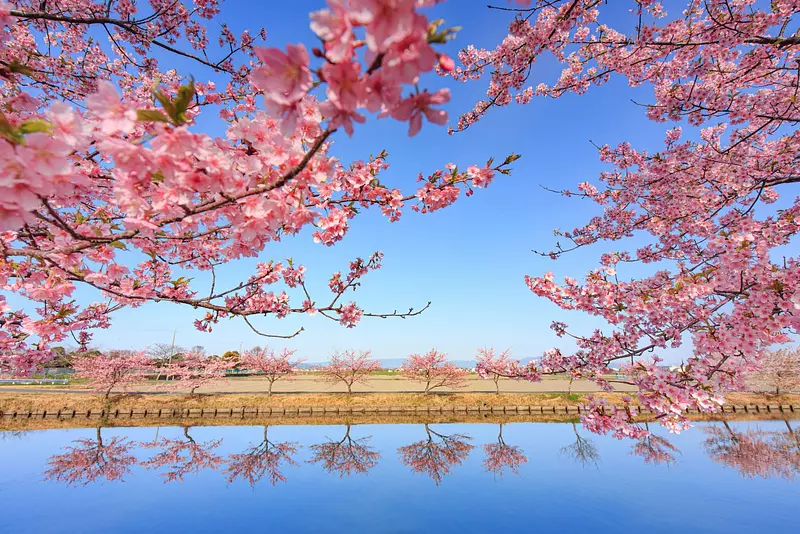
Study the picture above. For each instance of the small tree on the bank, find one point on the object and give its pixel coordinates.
(272, 366)
(112, 371)
(780, 370)
(193, 370)
(433, 370)
(494, 366)
(350, 367)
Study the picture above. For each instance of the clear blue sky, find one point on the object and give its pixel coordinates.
(469, 259)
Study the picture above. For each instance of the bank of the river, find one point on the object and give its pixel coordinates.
(51, 410)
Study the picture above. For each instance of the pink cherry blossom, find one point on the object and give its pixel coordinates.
(115, 116)
(284, 76)
(345, 85)
(333, 26)
(414, 107)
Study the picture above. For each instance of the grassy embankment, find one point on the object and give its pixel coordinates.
(23, 402)
(10, 402)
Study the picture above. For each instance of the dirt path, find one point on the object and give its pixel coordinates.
(378, 384)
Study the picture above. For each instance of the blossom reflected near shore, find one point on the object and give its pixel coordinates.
(751, 451)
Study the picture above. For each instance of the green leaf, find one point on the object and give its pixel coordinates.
(8, 132)
(512, 158)
(151, 115)
(118, 245)
(35, 125)
(166, 103)
(182, 101)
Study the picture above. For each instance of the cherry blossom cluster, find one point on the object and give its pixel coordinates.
(107, 184)
(350, 367)
(495, 366)
(433, 370)
(723, 74)
(269, 364)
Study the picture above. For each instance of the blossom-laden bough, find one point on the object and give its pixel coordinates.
(107, 184)
(707, 204)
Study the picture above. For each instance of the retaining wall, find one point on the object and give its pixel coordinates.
(260, 412)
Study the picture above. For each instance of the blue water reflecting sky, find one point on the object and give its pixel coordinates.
(535, 477)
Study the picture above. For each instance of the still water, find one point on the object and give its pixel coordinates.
(520, 477)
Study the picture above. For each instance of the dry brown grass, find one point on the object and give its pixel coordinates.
(82, 402)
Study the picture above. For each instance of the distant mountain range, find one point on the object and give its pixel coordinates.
(394, 363)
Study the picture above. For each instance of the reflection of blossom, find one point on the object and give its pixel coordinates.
(183, 456)
(437, 455)
(346, 456)
(91, 459)
(755, 452)
(263, 459)
(655, 449)
(500, 456)
(583, 450)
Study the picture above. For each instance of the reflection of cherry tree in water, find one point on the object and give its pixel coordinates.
(88, 460)
(346, 456)
(436, 455)
(183, 456)
(755, 452)
(583, 450)
(500, 456)
(262, 459)
(655, 449)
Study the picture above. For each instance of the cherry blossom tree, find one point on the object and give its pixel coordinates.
(501, 456)
(88, 460)
(266, 458)
(583, 450)
(494, 366)
(113, 371)
(180, 457)
(270, 365)
(780, 370)
(350, 367)
(655, 449)
(433, 370)
(346, 456)
(193, 370)
(722, 76)
(108, 185)
(436, 455)
(754, 452)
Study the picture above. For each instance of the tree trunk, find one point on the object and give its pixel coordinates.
(349, 388)
(497, 384)
(269, 391)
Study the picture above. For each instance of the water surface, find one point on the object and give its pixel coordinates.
(520, 477)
